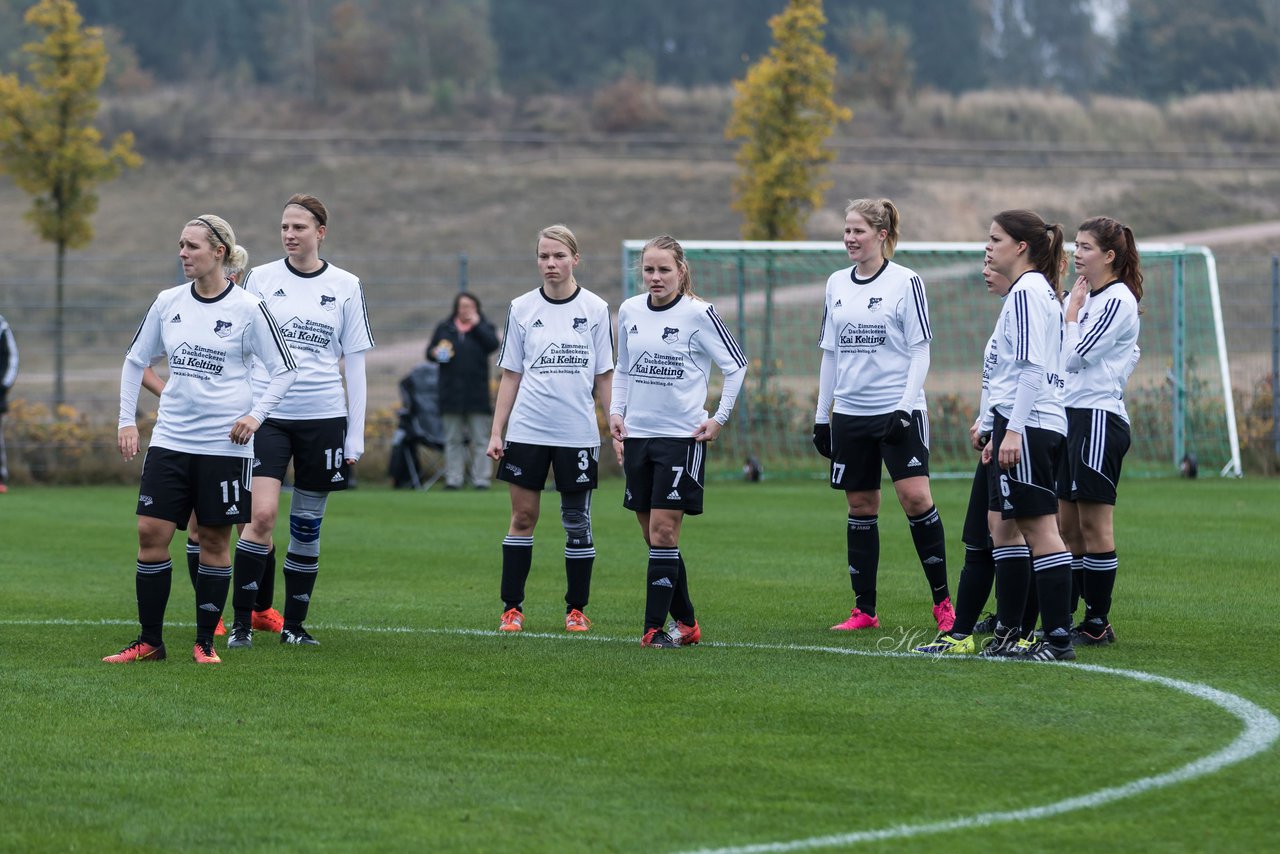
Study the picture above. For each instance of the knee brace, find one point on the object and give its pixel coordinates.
(306, 512)
(576, 519)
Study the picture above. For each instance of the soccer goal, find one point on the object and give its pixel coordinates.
(770, 295)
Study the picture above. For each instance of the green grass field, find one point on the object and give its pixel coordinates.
(417, 726)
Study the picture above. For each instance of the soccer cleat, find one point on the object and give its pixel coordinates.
(204, 653)
(1093, 634)
(1043, 651)
(684, 635)
(221, 629)
(267, 621)
(986, 625)
(946, 644)
(857, 620)
(241, 636)
(659, 639)
(513, 621)
(3, 489)
(1003, 644)
(297, 636)
(137, 651)
(575, 621)
(945, 615)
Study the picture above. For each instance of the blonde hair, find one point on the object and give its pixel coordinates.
(669, 243)
(880, 214)
(220, 234)
(560, 233)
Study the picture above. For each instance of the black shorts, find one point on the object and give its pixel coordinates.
(663, 474)
(858, 449)
(977, 532)
(175, 482)
(317, 448)
(1097, 441)
(1027, 489)
(576, 469)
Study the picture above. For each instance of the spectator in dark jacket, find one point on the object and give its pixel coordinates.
(461, 346)
(9, 373)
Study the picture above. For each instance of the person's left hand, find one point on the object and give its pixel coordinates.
(896, 430)
(708, 431)
(244, 428)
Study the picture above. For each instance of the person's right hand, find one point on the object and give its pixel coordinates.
(494, 451)
(822, 439)
(617, 427)
(128, 442)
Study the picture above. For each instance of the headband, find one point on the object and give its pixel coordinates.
(209, 226)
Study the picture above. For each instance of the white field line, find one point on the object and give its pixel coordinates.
(1261, 730)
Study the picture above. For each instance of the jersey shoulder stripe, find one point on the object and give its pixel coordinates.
(1022, 344)
(1099, 329)
(730, 344)
(285, 355)
(921, 306)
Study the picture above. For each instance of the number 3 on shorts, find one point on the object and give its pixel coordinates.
(583, 459)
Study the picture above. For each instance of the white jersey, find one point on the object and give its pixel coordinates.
(665, 353)
(871, 327)
(1029, 332)
(211, 345)
(1097, 359)
(559, 347)
(322, 316)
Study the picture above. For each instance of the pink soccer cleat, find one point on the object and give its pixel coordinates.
(857, 620)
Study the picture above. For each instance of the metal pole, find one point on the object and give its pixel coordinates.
(1275, 354)
(462, 271)
(1179, 367)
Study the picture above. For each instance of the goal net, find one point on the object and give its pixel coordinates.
(770, 294)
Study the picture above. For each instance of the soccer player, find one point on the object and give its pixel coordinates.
(1100, 352)
(978, 573)
(201, 453)
(558, 349)
(8, 376)
(317, 426)
(667, 341)
(1029, 428)
(871, 407)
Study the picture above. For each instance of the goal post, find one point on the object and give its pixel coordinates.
(770, 295)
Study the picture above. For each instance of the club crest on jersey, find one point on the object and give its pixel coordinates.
(328, 303)
(670, 334)
(222, 328)
(579, 324)
(873, 304)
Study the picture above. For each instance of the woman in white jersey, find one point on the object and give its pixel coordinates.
(558, 349)
(667, 341)
(1100, 352)
(233, 269)
(871, 406)
(201, 454)
(319, 426)
(1028, 431)
(978, 573)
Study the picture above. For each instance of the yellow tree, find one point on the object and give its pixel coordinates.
(48, 144)
(783, 112)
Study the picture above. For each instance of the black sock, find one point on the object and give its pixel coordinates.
(1053, 584)
(1013, 578)
(517, 557)
(862, 540)
(931, 546)
(974, 588)
(152, 585)
(681, 604)
(664, 566)
(299, 580)
(1077, 581)
(1099, 580)
(579, 557)
(249, 563)
(267, 583)
(193, 560)
(1031, 611)
(212, 583)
